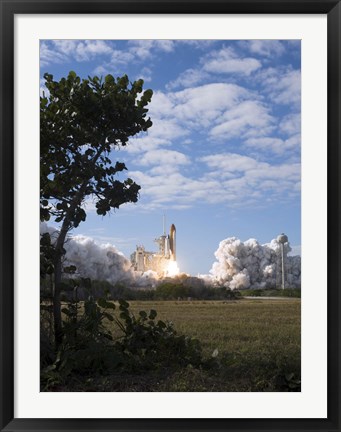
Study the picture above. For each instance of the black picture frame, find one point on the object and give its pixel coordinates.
(8, 9)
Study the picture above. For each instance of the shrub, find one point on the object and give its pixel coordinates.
(88, 347)
(151, 344)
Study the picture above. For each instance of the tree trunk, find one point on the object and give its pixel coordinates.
(59, 252)
(57, 313)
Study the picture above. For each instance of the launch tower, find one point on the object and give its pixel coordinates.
(158, 262)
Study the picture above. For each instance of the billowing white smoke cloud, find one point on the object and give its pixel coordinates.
(252, 265)
(100, 261)
(239, 264)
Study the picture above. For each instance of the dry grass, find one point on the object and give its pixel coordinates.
(233, 326)
(259, 343)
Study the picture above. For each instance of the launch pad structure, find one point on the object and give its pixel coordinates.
(158, 262)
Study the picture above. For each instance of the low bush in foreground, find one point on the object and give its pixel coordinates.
(88, 345)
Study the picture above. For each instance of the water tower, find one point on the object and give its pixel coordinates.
(282, 239)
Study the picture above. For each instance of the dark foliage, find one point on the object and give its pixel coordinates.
(88, 347)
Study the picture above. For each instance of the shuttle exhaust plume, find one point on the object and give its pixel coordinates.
(239, 265)
(249, 264)
(100, 261)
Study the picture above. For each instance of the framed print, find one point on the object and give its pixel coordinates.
(213, 128)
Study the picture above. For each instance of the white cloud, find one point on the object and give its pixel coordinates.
(48, 55)
(267, 48)
(120, 57)
(197, 43)
(144, 49)
(82, 50)
(89, 49)
(291, 124)
(65, 50)
(176, 114)
(232, 162)
(224, 110)
(143, 144)
(136, 51)
(66, 46)
(242, 118)
(161, 105)
(163, 157)
(251, 178)
(188, 78)
(165, 45)
(283, 86)
(202, 105)
(174, 190)
(289, 172)
(227, 61)
(167, 129)
(288, 89)
(117, 60)
(101, 70)
(276, 145)
(226, 178)
(217, 62)
(160, 188)
(145, 74)
(218, 109)
(293, 142)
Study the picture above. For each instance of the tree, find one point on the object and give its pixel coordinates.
(81, 121)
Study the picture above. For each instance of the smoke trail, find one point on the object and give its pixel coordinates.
(100, 261)
(252, 265)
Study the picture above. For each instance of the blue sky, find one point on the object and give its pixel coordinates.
(223, 157)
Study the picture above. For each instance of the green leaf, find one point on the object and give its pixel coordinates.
(102, 302)
(161, 324)
(152, 314)
(72, 74)
(125, 316)
(109, 79)
(123, 304)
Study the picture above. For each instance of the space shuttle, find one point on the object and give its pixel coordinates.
(167, 244)
(172, 242)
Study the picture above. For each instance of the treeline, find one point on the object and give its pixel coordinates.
(287, 292)
(83, 288)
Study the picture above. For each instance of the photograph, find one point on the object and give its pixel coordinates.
(170, 215)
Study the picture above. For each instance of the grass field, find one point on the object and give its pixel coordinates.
(246, 326)
(258, 343)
